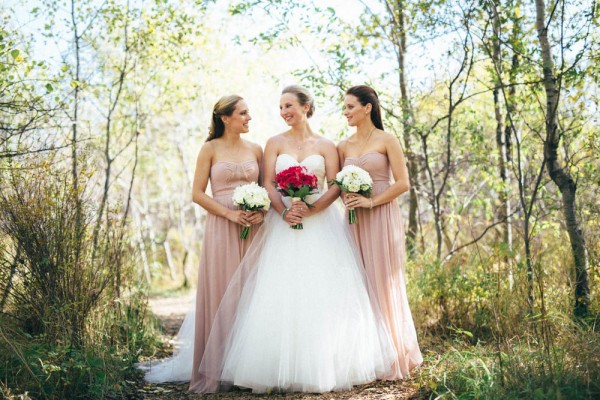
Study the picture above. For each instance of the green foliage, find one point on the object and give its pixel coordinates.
(56, 283)
(456, 295)
(157, 69)
(517, 368)
(67, 336)
(481, 342)
(102, 368)
(24, 105)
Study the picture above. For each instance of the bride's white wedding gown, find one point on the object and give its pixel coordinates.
(297, 315)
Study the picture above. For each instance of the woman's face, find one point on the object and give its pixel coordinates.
(355, 112)
(291, 110)
(238, 121)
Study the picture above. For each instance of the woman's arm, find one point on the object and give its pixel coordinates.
(332, 167)
(256, 217)
(199, 196)
(341, 149)
(270, 158)
(399, 171)
(258, 153)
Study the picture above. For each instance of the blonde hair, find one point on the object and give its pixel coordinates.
(225, 106)
(303, 95)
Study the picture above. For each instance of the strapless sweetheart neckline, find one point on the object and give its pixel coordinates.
(304, 159)
(234, 162)
(368, 152)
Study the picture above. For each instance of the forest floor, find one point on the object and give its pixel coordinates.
(171, 312)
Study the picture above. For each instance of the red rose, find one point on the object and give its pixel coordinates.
(293, 179)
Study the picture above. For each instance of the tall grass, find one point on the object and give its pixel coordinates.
(481, 338)
(64, 333)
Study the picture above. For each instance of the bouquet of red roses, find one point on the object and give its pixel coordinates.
(296, 182)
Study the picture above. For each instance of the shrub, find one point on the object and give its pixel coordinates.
(65, 332)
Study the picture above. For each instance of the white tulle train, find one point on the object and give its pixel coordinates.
(178, 367)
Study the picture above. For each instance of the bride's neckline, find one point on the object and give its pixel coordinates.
(295, 159)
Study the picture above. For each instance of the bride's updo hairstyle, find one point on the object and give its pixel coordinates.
(367, 95)
(225, 106)
(304, 97)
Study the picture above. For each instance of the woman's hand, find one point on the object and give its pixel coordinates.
(344, 196)
(255, 217)
(293, 215)
(301, 208)
(354, 200)
(240, 217)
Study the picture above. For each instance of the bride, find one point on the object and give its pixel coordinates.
(297, 315)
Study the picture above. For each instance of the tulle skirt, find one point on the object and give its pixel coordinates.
(178, 367)
(297, 315)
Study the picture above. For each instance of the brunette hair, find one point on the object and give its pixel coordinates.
(367, 95)
(304, 97)
(225, 106)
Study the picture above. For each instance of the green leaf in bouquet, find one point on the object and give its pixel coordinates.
(303, 192)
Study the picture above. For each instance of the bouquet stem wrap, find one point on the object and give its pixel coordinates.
(297, 226)
(245, 231)
(352, 216)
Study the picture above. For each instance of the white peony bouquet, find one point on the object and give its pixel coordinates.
(251, 197)
(353, 179)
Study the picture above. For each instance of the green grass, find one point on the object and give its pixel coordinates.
(517, 368)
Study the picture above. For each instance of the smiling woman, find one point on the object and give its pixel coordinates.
(380, 234)
(308, 323)
(230, 113)
(228, 161)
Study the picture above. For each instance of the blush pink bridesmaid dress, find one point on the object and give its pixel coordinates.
(379, 236)
(222, 250)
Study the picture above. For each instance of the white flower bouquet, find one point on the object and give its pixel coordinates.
(354, 179)
(251, 197)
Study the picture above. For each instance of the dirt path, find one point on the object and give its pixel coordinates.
(171, 312)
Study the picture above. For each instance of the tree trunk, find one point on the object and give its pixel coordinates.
(407, 123)
(561, 176)
(527, 207)
(435, 205)
(169, 258)
(505, 207)
(510, 129)
(75, 121)
(142, 249)
(113, 103)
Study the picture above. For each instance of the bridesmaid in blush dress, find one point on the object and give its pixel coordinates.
(228, 161)
(379, 233)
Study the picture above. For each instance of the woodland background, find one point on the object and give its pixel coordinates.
(105, 104)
